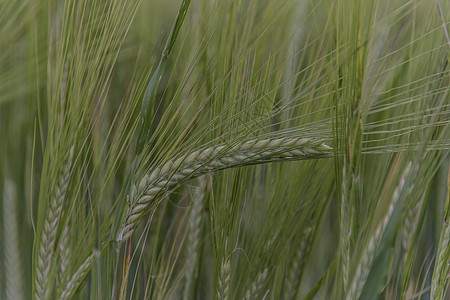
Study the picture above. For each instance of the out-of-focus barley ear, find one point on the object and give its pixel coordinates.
(50, 226)
(410, 224)
(12, 259)
(64, 250)
(71, 283)
(441, 265)
(223, 282)
(164, 178)
(195, 229)
(256, 286)
(296, 264)
(369, 252)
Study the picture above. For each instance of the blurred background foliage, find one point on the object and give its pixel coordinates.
(369, 78)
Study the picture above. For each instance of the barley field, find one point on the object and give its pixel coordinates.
(234, 149)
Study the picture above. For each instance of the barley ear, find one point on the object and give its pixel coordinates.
(223, 282)
(195, 228)
(296, 264)
(71, 284)
(166, 177)
(369, 252)
(49, 229)
(257, 285)
(64, 250)
(410, 226)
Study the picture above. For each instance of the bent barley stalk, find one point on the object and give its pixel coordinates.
(164, 178)
(48, 235)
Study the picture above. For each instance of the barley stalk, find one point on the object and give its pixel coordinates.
(164, 178)
(223, 284)
(13, 272)
(48, 235)
(368, 255)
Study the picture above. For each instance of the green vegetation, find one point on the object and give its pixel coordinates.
(224, 149)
